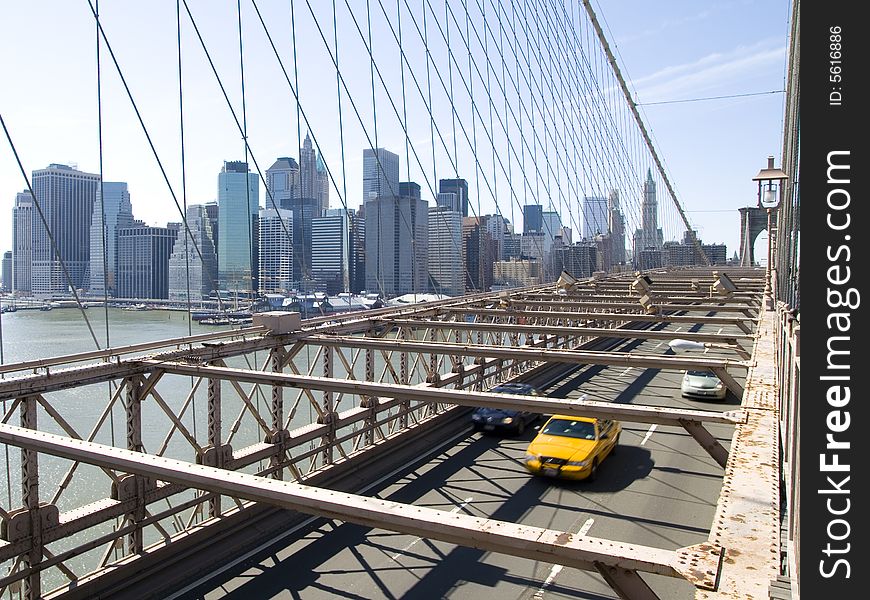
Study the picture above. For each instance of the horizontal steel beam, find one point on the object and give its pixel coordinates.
(602, 316)
(657, 300)
(535, 543)
(644, 334)
(584, 357)
(421, 393)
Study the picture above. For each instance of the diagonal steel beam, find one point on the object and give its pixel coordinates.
(535, 543)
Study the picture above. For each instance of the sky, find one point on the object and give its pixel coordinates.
(674, 54)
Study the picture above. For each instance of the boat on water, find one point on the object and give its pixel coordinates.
(137, 307)
(226, 321)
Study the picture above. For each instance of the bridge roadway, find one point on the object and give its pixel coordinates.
(659, 489)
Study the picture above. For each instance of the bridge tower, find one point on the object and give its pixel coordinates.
(753, 220)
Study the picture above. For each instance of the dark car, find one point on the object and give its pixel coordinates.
(500, 419)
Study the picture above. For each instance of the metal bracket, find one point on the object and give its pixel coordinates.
(216, 456)
(16, 526)
(126, 487)
(701, 564)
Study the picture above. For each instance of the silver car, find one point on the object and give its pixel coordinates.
(703, 384)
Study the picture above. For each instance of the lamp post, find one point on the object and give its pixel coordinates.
(770, 181)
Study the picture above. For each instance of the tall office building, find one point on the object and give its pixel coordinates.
(649, 237)
(479, 254)
(276, 250)
(330, 256)
(449, 201)
(409, 189)
(533, 218)
(66, 197)
(303, 211)
(143, 261)
(238, 207)
(308, 170)
(580, 259)
(396, 241)
(112, 211)
(616, 223)
(456, 186)
(497, 228)
(595, 216)
(551, 224)
(446, 268)
(380, 174)
(282, 182)
(321, 184)
(189, 268)
(6, 272)
(22, 240)
(357, 251)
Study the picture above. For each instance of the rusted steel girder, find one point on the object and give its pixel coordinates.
(732, 340)
(608, 316)
(697, 564)
(585, 357)
(660, 301)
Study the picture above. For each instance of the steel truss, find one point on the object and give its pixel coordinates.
(363, 378)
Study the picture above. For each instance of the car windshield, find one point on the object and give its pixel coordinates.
(583, 430)
(700, 373)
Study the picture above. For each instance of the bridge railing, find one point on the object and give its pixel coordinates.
(788, 361)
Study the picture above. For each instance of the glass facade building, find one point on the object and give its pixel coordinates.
(238, 207)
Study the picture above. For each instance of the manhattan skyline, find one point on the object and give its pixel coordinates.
(701, 53)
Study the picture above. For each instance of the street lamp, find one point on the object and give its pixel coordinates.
(770, 182)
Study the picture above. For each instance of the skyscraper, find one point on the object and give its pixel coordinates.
(303, 211)
(456, 186)
(449, 201)
(189, 268)
(380, 174)
(357, 251)
(649, 237)
(446, 268)
(282, 182)
(143, 261)
(276, 250)
(22, 240)
(6, 272)
(396, 243)
(309, 185)
(238, 206)
(66, 197)
(595, 215)
(321, 184)
(112, 211)
(616, 223)
(533, 218)
(330, 257)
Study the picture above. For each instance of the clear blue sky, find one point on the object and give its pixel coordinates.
(675, 50)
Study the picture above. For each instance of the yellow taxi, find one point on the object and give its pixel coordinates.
(572, 447)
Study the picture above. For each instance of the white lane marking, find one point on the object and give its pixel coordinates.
(659, 345)
(627, 369)
(678, 328)
(558, 568)
(720, 331)
(456, 509)
(648, 433)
